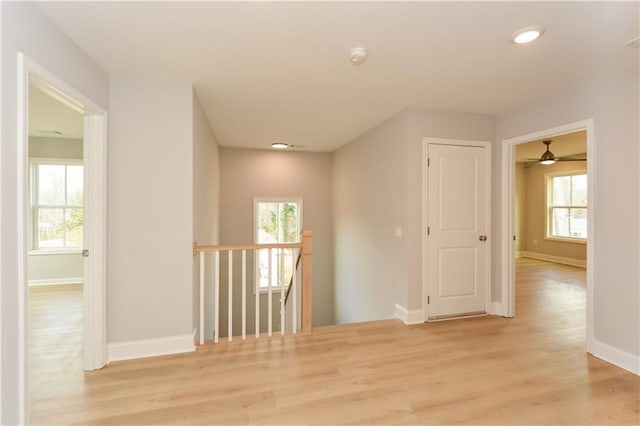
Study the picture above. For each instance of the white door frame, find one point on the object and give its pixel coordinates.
(425, 215)
(507, 255)
(95, 159)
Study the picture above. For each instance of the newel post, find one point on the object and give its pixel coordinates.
(307, 248)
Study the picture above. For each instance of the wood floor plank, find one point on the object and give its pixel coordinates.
(531, 369)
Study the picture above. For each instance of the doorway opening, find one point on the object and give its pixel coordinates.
(545, 207)
(61, 211)
(55, 229)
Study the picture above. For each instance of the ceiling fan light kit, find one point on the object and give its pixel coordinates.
(547, 156)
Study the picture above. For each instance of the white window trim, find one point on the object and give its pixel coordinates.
(256, 200)
(33, 163)
(548, 177)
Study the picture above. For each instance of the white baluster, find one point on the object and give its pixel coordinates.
(270, 297)
(244, 294)
(216, 292)
(230, 298)
(282, 293)
(294, 299)
(257, 293)
(201, 298)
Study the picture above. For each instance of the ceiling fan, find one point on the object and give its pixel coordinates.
(548, 157)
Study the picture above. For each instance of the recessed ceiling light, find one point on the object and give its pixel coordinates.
(279, 145)
(527, 35)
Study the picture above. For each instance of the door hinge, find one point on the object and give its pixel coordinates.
(428, 230)
(428, 300)
(428, 161)
(514, 238)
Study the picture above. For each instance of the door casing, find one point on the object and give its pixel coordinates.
(425, 211)
(95, 162)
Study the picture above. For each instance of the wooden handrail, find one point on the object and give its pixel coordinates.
(286, 298)
(209, 248)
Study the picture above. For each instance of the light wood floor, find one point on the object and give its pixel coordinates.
(531, 369)
(55, 339)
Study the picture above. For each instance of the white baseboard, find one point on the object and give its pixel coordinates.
(414, 316)
(151, 347)
(615, 356)
(555, 259)
(57, 281)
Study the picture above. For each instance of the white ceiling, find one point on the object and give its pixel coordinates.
(267, 71)
(50, 118)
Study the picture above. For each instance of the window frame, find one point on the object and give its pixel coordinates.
(34, 163)
(549, 206)
(256, 201)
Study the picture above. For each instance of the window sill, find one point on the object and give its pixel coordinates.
(567, 240)
(50, 252)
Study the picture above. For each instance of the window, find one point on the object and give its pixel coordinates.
(276, 221)
(56, 204)
(567, 206)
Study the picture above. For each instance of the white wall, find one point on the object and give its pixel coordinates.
(150, 217)
(613, 103)
(369, 201)
(378, 185)
(433, 124)
(249, 173)
(206, 202)
(55, 148)
(26, 29)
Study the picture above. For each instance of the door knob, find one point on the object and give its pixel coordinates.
(483, 238)
(85, 253)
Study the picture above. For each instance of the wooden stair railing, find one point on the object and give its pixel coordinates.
(286, 298)
(304, 258)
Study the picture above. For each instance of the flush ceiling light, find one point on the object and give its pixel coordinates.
(527, 35)
(279, 145)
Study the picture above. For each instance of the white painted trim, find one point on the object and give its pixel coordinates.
(615, 356)
(555, 259)
(145, 348)
(95, 240)
(414, 316)
(425, 189)
(507, 252)
(1, 283)
(95, 141)
(55, 281)
(22, 207)
(497, 309)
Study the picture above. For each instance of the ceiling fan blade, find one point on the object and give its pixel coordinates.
(571, 159)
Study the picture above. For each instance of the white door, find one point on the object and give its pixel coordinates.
(457, 225)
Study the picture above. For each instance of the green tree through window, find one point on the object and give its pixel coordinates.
(277, 221)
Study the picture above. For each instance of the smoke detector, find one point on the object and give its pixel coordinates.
(358, 55)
